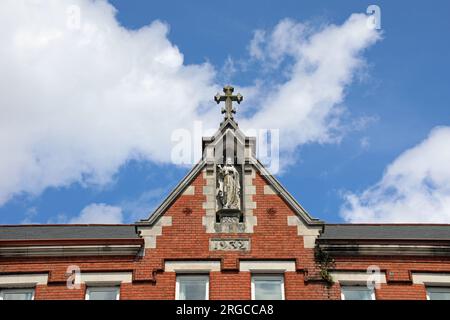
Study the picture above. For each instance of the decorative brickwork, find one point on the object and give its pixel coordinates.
(180, 237)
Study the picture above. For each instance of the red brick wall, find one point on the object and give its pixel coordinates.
(59, 292)
(187, 239)
(229, 285)
(404, 291)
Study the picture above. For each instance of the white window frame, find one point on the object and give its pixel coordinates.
(191, 276)
(357, 279)
(441, 288)
(432, 279)
(16, 290)
(357, 287)
(102, 288)
(105, 279)
(192, 267)
(23, 280)
(264, 266)
(272, 276)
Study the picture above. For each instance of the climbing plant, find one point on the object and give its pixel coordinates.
(325, 263)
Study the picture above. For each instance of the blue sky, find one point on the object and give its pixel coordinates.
(390, 107)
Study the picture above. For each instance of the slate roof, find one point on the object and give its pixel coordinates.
(330, 232)
(58, 232)
(385, 232)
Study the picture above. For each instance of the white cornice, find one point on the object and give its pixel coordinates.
(385, 249)
(355, 277)
(102, 278)
(191, 266)
(64, 251)
(431, 278)
(267, 266)
(23, 280)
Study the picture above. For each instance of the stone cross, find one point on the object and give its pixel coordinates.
(228, 98)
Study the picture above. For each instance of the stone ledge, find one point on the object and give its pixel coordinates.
(151, 233)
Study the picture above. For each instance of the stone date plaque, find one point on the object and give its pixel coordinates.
(229, 244)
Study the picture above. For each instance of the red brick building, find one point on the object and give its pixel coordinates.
(229, 230)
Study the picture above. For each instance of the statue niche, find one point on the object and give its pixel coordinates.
(228, 187)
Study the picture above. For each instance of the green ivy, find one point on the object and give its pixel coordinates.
(325, 263)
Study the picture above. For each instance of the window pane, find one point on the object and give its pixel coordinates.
(357, 293)
(102, 293)
(437, 293)
(17, 294)
(268, 288)
(192, 287)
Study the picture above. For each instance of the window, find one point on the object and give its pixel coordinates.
(16, 294)
(438, 293)
(267, 287)
(192, 287)
(357, 293)
(102, 293)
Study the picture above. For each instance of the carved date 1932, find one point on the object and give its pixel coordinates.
(229, 244)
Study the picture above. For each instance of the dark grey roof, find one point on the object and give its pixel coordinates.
(44, 232)
(385, 232)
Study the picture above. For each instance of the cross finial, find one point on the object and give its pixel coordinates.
(228, 98)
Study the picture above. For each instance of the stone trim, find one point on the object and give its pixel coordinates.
(209, 219)
(106, 277)
(267, 266)
(355, 277)
(431, 278)
(189, 191)
(309, 234)
(23, 280)
(191, 266)
(269, 190)
(151, 233)
(250, 221)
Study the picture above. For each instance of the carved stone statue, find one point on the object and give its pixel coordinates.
(229, 189)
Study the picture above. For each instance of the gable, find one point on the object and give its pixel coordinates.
(245, 150)
(262, 194)
(234, 186)
(192, 215)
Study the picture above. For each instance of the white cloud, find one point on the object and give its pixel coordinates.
(76, 104)
(98, 213)
(414, 188)
(318, 67)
